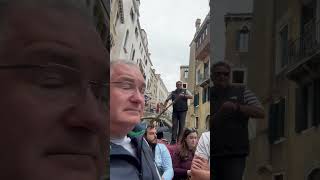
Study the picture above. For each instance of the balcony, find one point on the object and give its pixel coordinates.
(203, 45)
(304, 53)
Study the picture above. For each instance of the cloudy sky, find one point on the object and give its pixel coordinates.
(170, 26)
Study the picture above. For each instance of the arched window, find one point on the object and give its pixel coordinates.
(243, 39)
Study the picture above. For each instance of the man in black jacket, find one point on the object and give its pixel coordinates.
(130, 158)
(179, 99)
(232, 106)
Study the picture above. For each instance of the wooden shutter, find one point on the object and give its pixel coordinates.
(204, 95)
(196, 100)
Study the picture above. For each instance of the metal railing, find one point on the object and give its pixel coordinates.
(307, 44)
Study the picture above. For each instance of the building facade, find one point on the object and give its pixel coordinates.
(199, 79)
(162, 94)
(129, 41)
(184, 71)
(151, 93)
(237, 45)
(218, 10)
(284, 71)
(101, 11)
(190, 117)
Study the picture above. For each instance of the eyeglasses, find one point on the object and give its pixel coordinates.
(221, 73)
(56, 83)
(129, 87)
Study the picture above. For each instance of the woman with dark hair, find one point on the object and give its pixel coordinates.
(183, 154)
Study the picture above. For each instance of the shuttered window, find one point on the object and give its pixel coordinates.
(277, 120)
(196, 100)
(205, 95)
(307, 106)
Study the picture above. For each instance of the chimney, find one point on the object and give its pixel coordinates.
(198, 23)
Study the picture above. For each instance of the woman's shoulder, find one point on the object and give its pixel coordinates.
(176, 150)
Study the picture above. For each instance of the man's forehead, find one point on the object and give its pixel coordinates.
(125, 70)
(221, 69)
(47, 22)
(30, 25)
(152, 130)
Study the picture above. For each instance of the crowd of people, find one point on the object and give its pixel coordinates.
(136, 151)
(188, 158)
(182, 160)
(57, 117)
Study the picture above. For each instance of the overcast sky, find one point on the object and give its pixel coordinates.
(170, 27)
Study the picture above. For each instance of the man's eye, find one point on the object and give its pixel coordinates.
(126, 85)
(142, 90)
(52, 81)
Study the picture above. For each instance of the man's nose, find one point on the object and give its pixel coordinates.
(137, 96)
(88, 114)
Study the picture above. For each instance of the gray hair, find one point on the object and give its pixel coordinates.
(121, 61)
(221, 63)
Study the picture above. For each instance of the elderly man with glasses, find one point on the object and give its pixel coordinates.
(54, 91)
(130, 158)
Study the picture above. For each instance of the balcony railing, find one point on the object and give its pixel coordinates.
(203, 48)
(307, 45)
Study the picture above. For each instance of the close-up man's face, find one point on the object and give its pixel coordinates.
(52, 69)
(151, 136)
(127, 88)
(221, 76)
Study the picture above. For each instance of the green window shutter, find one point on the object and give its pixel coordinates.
(271, 122)
(204, 95)
(281, 119)
(196, 100)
